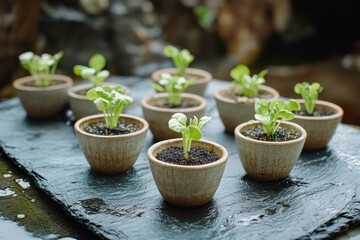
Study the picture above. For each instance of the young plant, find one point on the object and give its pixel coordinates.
(248, 85)
(191, 132)
(94, 72)
(111, 101)
(309, 94)
(181, 58)
(268, 114)
(42, 68)
(174, 85)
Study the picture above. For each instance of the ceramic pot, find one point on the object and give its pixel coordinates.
(80, 105)
(158, 117)
(319, 129)
(234, 112)
(198, 88)
(42, 102)
(111, 154)
(268, 161)
(187, 186)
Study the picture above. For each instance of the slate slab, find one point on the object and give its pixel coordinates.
(319, 200)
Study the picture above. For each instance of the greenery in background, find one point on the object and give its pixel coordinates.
(205, 16)
(111, 101)
(191, 132)
(181, 58)
(248, 86)
(42, 68)
(309, 94)
(174, 85)
(269, 114)
(94, 72)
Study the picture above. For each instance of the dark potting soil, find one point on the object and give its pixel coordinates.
(233, 94)
(82, 92)
(123, 127)
(315, 113)
(281, 134)
(183, 104)
(197, 156)
(52, 83)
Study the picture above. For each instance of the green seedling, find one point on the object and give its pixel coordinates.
(269, 114)
(191, 132)
(309, 94)
(42, 68)
(111, 101)
(94, 71)
(181, 58)
(173, 85)
(248, 86)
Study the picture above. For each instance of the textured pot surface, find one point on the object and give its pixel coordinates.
(111, 154)
(80, 105)
(198, 88)
(267, 161)
(233, 113)
(158, 117)
(187, 186)
(43, 102)
(319, 129)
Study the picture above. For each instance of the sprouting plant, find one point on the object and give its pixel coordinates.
(174, 85)
(191, 132)
(248, 86)
(42, 68)
(180, 58)
(111, 101)
(309, 94)
(268, 114)
(94, 72)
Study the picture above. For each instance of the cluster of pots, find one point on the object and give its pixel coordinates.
(178, 184)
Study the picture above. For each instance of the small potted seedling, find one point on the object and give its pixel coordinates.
(43, 93)
(111, 142)
(187, 171)
(318, 118)
(181, 60)
(269, 147)
(159, 107)
(95, 73)
(236, 103)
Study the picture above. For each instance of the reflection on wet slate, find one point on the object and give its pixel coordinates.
(319, 199)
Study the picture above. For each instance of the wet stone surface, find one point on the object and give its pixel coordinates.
(319, 199)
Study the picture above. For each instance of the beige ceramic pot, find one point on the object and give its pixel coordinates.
(202, 79)
(187, 186)
(80, 105)
(319, 129)
(111, 154)
(158, 117)
(234, 112)
(43, 102)
(268, 161)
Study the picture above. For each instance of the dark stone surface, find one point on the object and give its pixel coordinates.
(320, 198)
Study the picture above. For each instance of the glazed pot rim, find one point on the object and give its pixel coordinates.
(205, 76)
(264, 88)
(201, 100)
(300, 129)
(72, 91)
(223, 158)
(101, 117)
(339, 112)
(19, 83)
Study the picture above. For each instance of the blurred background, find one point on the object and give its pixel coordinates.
(296, 40)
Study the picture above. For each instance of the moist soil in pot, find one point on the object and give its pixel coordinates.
(197, 156)
(315, 113)
(232, 93)
(183, 104)
(52, 83)
(123, 127)
(281, 134)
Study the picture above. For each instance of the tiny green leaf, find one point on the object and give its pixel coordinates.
(195, 132)
(97, 62)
